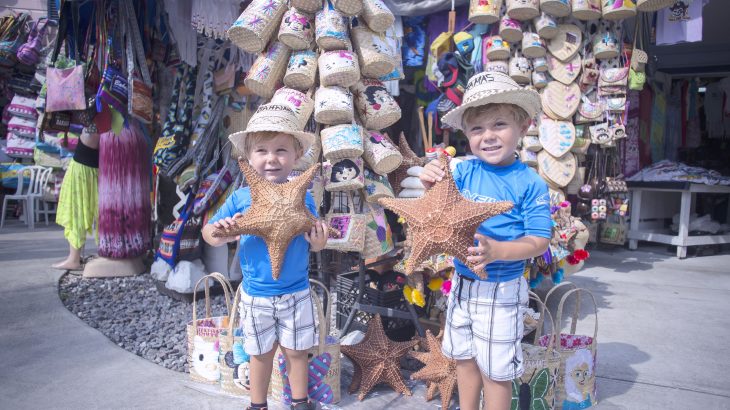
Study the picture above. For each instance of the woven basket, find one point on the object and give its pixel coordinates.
(531, 143)
(308, 6)
(558, 8)
(203, 334)
(253, 29)
(539, 79)
(338, 68)
(378, 237)
(348, 7)
(376, 107)
(333, 105)
(653, 5)
(523, 10)
(324, 358)
(532, 45)
(540, 65)
(301, 71)
(497, 49)
(529, 158)
(345, 174)
(605, 45)
(296, 30)
(377, 186)
(331, 29)
(481, 12)
(342, 141)
(297, 101)
(267, 71)
(519, 70)
(376, 55)
(233, 359)
(586, 9)
(380, 153)
(377, 15)
(351, 228)
(546, 26)
(510, 29)
(498, 66)
(614, 10)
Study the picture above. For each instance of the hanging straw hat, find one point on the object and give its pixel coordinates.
(493, 88)
(275, 118)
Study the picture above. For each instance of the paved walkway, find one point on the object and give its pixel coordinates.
(663, 325)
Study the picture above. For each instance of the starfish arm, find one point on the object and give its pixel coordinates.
(410, 209)
(253, 179)
(356, 377)
(431, 389)
(475, 213)
(446, 389)
(421, 249)
(394, 378)
(248, 224)
(302, 182)
(371, 376)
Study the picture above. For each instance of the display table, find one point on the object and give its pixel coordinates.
(660, 202)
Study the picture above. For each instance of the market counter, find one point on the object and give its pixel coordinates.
(660, 202)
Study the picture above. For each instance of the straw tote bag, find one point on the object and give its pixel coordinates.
(510, 29)
(333, 105)
(324, 364)
(653, 5)
(330, 29)
(576, 386)
(377, 15)
(344, 174)
(376, 55)
(618, 10)
(380, 153)
(484, 12)
(523, 9)
(586, 9)
(546, 26)
(558, 8)
(376, 107)
(301, 71)
(376, 186)
(309, 6)
(254, 28)
(342, 141)
(267, 71)
(348, 7)
(378, 237)
(296, 30)
(234, 362)
(300, 103)
(203, 334)
(339, 68)
(350, 225)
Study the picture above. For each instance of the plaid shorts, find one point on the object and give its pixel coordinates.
(484, 322)
(288, 319)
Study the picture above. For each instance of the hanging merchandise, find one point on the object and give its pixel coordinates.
(140, 105)
(539, 80)
(176, 130)
(560, 101)
(520, 70)
(296, 30)
(30, 52)
(333, 105)
(349, 224)
(268, 70)
(378, 237)
(605, 43)
(300, 103)
(376, 186)
(340, 68)
(533, 46)
(375, 54)
(556, 137)
(484, 11)
(14, 37)
(330, 29)
(254, 28)
(510, 29)
(558, 171)
(302, 70)
(567, 42)
(557, 8)
(380, 153)
(348, 7)
(65, 86)
(308, 6)
(414, 41)
(377, 15)
(590, 74)
(618, 9)
(565, 72)
(523, 10)
(653, 5)
(586, 9)
(546, 26)
(496, 49)
(344, 174)
(342, 141)
(212, 18)
(376, 107)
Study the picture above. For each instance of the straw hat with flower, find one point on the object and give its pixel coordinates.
(493, 88)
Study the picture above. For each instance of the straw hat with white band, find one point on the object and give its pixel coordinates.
(493, 88)
(274, 118)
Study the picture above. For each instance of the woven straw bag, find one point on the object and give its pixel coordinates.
(499, 66)
(577, 353)
(558, 8)
(615, 10)
(333, 105)
(342, 141)
(586, 9)
(351, 228)
(309, 6)
(299, 102)
(254, 28)
(539, 80)
(541, 365)
(376, 186)
(234, 362)
(267, 71)
(531, 143)
(376, 55)
(377, 15)
(653, 5)
(203, 333)
(510, 29)
(529, 158)
(523, 10)
(338, 68)
(344, 174)
(296, 30)
(380, 153)
(301, 71)
(546, 26)
(533, 46)
(348, 7)
(520, 70)
(324, 362)
(497, 49)
(481, 12)
(330, 29)
(376, 107)
(378, 237)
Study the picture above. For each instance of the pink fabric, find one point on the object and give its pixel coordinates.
(65, 89)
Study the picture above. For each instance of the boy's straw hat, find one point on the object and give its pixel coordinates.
(275, 118)
(493, 88)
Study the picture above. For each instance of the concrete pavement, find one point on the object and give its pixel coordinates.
(663, 323)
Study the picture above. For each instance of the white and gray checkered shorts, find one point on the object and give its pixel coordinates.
(288, 319)
(484, 322)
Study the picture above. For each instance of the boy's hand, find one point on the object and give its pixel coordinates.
(432, 173)
(317, 237)
(227, 223)
(484, 253)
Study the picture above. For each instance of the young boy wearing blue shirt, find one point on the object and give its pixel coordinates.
(273, 312)
(484, 317)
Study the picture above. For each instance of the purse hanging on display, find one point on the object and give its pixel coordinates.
(140, 104)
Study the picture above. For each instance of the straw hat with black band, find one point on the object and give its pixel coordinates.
(273, 118)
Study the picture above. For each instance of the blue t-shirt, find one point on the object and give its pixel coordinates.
(254, 255)
(530, 216)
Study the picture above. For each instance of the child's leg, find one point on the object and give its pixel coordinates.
(497, 395)
(469, 381)
(260, 375)
(297, 366)
(72, 261)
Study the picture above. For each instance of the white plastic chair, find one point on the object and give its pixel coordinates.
(29, 195)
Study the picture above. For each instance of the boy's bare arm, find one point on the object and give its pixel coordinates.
(489, 250)
(220, 224)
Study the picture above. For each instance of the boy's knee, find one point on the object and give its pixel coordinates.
(295, 354)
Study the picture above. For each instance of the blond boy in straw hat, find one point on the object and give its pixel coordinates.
(274, 312)
(484, 317)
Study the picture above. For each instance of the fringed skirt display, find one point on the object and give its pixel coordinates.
(124, 194)
(78, 203)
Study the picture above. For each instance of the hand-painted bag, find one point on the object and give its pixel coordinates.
(296, 30)
(18, 147)
(349, 224)
(484, 12)
(376, 186)
(377, 15)
(380, 153)
(181, 239)
(333, 105)
(339, 68)
(234, 362)
(211, 189)
(65, 91)
(378, 238)
(376, 107)
(203, 333)
(254, 28)
(22, 107)
(330, 29)
(613, 81)
(344, 175)
(267, 71)
(302, 70)
(589, 111)
(323, 381)
(375, 54)
(342, 141)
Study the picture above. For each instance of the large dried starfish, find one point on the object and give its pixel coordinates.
(439, 372)
(277, 213)
(443, 221)
(376, 359)
(410, 159)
